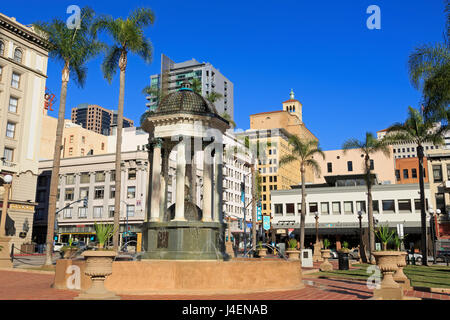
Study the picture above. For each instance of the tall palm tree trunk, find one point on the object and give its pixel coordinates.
(303, 213)
(54, 182)
(423, 218)
(371, 232)
(122, 66)
(254, 201)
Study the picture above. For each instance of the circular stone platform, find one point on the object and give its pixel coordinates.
(190, 277)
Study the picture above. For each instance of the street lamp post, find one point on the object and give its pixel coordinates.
(4, 240)
(317, 254)
(433, 217)
(361, 247)
(317, 226)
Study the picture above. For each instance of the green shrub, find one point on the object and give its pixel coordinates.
(292, 243)
(104, 232)
(385, 235)
(326, 244)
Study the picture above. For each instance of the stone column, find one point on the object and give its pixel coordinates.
(207, 184)
(218, 188)
(156, 182)
(181, 176)
(194, 177)
(164, 180)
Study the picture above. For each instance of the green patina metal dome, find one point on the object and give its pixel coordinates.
(185, 100)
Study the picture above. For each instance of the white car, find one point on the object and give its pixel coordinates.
(58, 246)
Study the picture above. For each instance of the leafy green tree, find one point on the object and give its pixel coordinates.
(196, 85)
(128, 37)
(429, 70)
(304, 152)
(418, 131)
(73, 48)
(368, 147)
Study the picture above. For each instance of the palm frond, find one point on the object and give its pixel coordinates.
(110, 64)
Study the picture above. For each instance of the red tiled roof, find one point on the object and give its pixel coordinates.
(267, 112)
(291, 100)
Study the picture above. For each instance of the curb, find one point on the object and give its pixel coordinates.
(432, 290)
(27, 271)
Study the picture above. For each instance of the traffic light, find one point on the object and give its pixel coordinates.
(240, 223)
(85, 202)
(92, 238)
(243, 192)
(55, 238)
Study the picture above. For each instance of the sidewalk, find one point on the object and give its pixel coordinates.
(37, 286)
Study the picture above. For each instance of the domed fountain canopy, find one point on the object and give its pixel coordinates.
(185, 100)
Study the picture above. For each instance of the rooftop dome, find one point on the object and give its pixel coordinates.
(185, 100)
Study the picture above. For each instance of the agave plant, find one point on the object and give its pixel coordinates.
(104, 232)
(385, 234)
(326, 244)
(345, 247)
(292, 243)
(260, 246)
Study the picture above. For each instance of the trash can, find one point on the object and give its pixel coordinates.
(343, 260)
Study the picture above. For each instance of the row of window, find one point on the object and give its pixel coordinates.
(406, 173)
(97, 212)
(347, 207)
(99, 193)
(412, 149)
(349, 166)
(15, 79)
(18, 54)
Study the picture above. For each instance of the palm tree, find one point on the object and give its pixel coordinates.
(196, 85)
(128, 36)
(416, 130)
(155, 92)
(304, 152)
(429, 70)
(72, 47)
(368, 147)
(227, 117)
(213, 96)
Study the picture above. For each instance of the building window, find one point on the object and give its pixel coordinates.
(130, 210)
(70, 151)
(71, 139)
(67, 213)
(131, 174)
(361, 206)
(405, 174)
(112, 192)
(414, 173)
(348, 207)
(10, 130)
(290, 210)
(82, 212)
(279, 209)
(18, 55)
(349, 166)
(112, 176)
(15, 81)
(336, 207)
(329, 167)
(437, 173)
(82, 152)
(388, 206)
(2, 48)
(85, 178)
(70, 179)
(100, 176)
(13, 102)
(99, 192)
(111, 211)
(440, 202)
(84, 193)
(313, 208)
(375, 206)
(8, 154)
(448, 171)
(69, 194)
(324, 208)
(83, 139)
(372, 165)
(131, 192)
(1, 72)
(103, 146)
(397, 174)
(404, 206)
(98, 211)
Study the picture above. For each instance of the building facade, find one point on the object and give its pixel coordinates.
(407, 170)
(23, 74)
(97, 119)
(174, 74)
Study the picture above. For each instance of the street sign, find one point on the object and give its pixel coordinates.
(249, 225)
(266, 222)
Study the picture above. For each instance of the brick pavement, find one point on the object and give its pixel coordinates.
(37, 286)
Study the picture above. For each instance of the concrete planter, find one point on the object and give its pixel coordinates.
(262, 252)
(387, 263)
(98, 267)
(326, 265)
(293, 254)
(399, 275)
(69, 253)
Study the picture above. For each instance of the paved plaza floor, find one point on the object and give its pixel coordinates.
(25, 285)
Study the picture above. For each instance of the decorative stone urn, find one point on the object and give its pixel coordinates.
(293, 254)
(98, 267)
(262, 252)
(69, 253)
(387, 262)
(399, 275)
(317, 256)
(326, 265)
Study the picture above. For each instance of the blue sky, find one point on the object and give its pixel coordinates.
(349, 79)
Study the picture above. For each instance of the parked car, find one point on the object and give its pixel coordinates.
(81, 245)
(334, 254)
(354, 254)
(58, 246)
(417, 257)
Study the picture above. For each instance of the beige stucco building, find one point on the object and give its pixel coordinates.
(77, 141)
(337, 163)
(23, 74)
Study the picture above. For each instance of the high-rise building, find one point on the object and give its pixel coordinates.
(212, 80)
(23, 74)
(97, 119)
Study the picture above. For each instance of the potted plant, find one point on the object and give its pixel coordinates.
(387, 263)
(99, 265)
(70, 250)
(262, 252)
(399, 275)
(326, 265)
(343, 256)
(292, 252)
